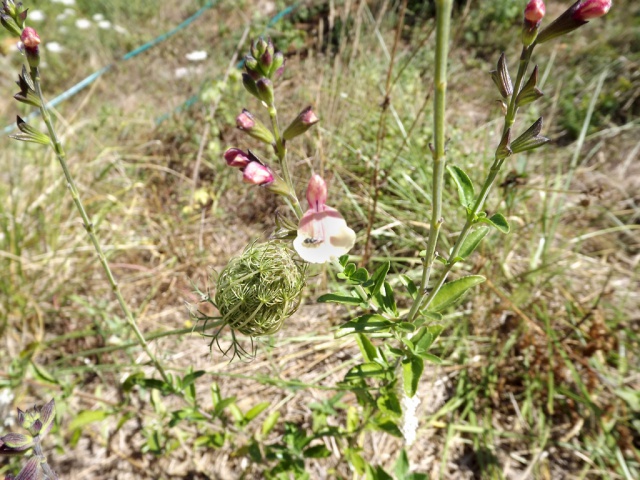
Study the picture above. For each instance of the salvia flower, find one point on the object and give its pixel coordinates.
(323, 233)
(254, 127)
(236, 158)
(30, 38)
(257, 174)
(534, 11)
(303, 122)
(574, 17)
(590, 9)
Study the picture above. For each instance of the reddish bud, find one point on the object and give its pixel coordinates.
(30, 38)
(257, 174)
(534, 11)
(254, 127)
(591, 9)
(245, 120)
(317, 193)
(303, 122)
(236, 158)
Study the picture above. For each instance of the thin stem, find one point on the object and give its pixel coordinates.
(281, 153)
(443, 22)
(89, 227)
(424, 300)
(37, 449)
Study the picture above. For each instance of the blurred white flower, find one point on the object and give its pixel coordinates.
(83, 23)
(181, 72)
(54, 47)
(36, 15)
(98, 17)
(196, 56)
(65, 2)
(120, 29)
(409, 418)
(104, 24)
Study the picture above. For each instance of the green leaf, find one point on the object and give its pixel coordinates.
(430, 357)
(355, 459)
(412, 368)
(369, 352)
(389, 404)
(317, 451)
(257, 410)
(333, 298)
(388, 426)
(379, 277)
(270, 422)
(472, 241)
(365, 370)
(498, 221)
(402, 467)
(191, 377)
(405, 327)
(411, 286)
(42, 374)
(452, 291)
(86, 417)
(369, 323)
(359, 277)
(466, 192)
(377, 473)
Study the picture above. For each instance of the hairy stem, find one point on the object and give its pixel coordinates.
(89, 227)
(443, 21)
(37, 450)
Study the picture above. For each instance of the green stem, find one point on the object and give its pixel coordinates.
(443, 19)
(37, 450)
(89, 227)
(281, 153)
(509, 120)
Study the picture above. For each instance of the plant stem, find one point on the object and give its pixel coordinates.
(443, 21)
(37, 449)
(281, 153)
(509, 119)
(89, 227)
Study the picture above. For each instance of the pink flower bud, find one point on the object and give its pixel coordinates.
(245, 120)
(257, 174)
(317, 193)
(590, 9)
(30, 38)
(236, 158)
(534, 11)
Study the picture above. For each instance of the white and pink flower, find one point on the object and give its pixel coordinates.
(323, 233)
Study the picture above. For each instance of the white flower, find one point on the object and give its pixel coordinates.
(120, 29)
(196, 56)
(322, 233)
(409, 418)
(65, 2)
(104, 24)
(36, 15)
(98, 17)
(83, 23)
(54, 47)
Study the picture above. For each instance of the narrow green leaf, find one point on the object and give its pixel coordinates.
(334, 298)
(452, 291)
(412, 368)
(365, 370)
(270, 422)
(317, 451)
(191, 377)
(369, 352)
(379, 277)
(389, 404)
(377, 473)
(411, 286)
(472, 241)
(466, 192)
(86, 417)
(430, 357)
(498, 221)
(389, 427)
(257, 410)
(369, 323)
(401, 468)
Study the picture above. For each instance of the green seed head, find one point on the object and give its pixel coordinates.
(260, 289)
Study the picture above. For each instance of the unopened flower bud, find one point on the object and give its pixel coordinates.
(303, 122)
(254, 127)
(30, 38)
(250, 85)
(257, 174)
(252, 67)
(591, 9)
(10, 24)
(277, 66)
(265, 89)
(258, 47)
(317, 192)
(574, 17)
(534, 11)
(236, 158)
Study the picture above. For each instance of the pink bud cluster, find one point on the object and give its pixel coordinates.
(253, 171)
